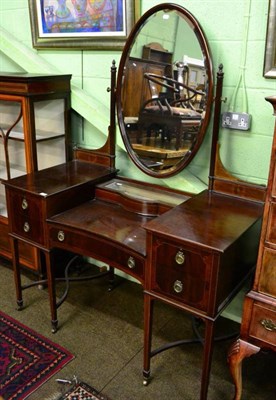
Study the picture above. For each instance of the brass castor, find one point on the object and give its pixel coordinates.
(146, 378)
(54, 326)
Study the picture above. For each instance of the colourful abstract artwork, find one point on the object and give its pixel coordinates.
(75, 17)
(82, 24)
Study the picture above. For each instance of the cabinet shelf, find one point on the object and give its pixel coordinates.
(39, 136)
(16, 170)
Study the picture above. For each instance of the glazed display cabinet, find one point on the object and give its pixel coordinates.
(34, 134)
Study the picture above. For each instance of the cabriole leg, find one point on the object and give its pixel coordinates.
(237, 352)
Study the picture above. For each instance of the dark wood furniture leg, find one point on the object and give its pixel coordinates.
(148, 315)
(16, 272)
(51, 290)
(207, 352)
(238, 351)
(207, 358)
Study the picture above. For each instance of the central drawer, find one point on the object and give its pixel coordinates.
(181, 274)
(100, 248)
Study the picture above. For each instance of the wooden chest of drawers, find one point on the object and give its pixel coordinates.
(258, 328)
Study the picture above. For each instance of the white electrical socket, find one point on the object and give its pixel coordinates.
(236, 120)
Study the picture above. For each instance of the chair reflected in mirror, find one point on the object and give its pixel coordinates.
(173, 114)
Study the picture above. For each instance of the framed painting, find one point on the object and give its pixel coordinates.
(82, 24)
(270, 48)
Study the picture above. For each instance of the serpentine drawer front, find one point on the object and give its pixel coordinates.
(181, 273)
(100, 248)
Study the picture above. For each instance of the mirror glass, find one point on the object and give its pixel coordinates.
(164, 90)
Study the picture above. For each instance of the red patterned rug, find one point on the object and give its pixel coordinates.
(27, 359)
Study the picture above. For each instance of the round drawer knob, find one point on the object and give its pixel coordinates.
(178, 286)
(26, 227)
(24, 204)
(180, 257)
(61, 236)
(131, 263)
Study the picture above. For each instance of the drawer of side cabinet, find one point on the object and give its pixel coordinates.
(263, 324)
(267, 281)
(271, 226)
(182, 274)
(25, 215)
(99, 248)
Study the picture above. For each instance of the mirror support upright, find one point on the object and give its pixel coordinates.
(112, 126)
(216, 123)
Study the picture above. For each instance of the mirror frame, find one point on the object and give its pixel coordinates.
(209, 100)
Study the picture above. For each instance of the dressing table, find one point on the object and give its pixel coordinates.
(191, 251)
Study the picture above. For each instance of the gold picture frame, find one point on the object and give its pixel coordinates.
(82, 24)
(270, 48)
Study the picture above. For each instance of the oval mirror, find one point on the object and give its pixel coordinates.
(164, 90)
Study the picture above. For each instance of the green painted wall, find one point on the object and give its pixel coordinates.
(246, 154)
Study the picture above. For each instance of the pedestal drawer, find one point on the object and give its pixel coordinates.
(263, 324)
(182, 274)
(26, 217)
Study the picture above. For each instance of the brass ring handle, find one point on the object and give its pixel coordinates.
(268, 325)
(131, 262)
(24, 204)
(61, 236)
(26, 227)
(178, 286)
(180, 257)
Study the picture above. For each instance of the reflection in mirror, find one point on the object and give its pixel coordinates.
(164, 90)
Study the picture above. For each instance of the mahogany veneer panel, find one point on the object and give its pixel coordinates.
(268, 274)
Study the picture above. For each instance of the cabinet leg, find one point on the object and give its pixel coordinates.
(237, 352)
(16, 272)
(111, 278)
(51, 290)
(148, 315)
(207, 358)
